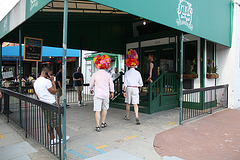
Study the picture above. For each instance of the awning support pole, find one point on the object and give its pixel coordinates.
(20, 75)
(181, 77)
(64, 71)
(0, 64)
(0, 73)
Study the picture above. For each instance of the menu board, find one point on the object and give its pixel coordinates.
(32, 49)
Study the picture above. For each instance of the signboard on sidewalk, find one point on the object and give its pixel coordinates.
(32, 49)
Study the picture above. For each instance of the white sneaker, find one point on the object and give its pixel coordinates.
(67, 138)
(79, 104)
(54, 141)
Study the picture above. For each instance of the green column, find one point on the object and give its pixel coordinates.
(0, 65)
(0, 72)
(64, 71)
(20, 75)
(181, 76)
(202, 62)
(20, 61)
(202, 70)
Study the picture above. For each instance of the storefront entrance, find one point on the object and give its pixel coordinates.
(165, 58)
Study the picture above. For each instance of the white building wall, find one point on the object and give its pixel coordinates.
(228, 62)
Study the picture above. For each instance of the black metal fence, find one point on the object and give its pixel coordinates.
(203, 100)
(72, 95)
(39, 120)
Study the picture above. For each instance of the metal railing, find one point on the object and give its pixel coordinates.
(165, 84)
(203, 100)
(39, 120)
(72, 95)
(118, 86)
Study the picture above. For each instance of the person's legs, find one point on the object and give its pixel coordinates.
(58, 131)
(104, 115)
(136, 110)
(50, 131)
(97, 117)
(79, 95)
(127, 110)
(58, 95)
(58, 101)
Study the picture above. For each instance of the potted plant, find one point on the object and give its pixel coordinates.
(211, 69)
(190, 70)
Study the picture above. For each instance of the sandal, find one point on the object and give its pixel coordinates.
(126, 118)
(97, 129)
(137, 121)
(103, 125)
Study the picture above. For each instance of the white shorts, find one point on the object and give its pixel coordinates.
(100, 104)
(132, 95)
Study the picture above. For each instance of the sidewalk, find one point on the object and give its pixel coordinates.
(123, 139)
(215, 137)
(14, 147)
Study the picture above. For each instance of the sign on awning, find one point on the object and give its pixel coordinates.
(32, 49)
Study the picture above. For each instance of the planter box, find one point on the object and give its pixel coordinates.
(189, 76)
(212, 76)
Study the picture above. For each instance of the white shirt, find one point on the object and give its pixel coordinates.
(133, 78)
(41, 86)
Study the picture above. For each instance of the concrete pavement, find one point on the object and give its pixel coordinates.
(13, 145)
(121, 139)
(120, 135)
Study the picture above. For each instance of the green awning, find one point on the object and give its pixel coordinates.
(209, 19)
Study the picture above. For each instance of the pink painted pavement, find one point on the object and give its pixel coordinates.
(215, 137)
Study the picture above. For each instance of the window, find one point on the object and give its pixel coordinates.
(190, 57)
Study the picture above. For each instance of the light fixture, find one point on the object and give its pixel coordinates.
(144, 23)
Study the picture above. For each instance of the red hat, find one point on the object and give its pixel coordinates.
(132, 58)
(102, 62)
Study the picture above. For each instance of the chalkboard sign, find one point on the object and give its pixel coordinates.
(32, 49)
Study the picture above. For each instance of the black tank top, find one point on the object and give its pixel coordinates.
(154, 71)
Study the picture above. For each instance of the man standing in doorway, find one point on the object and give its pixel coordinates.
(78, 84)
(132, 84)
(59, 85)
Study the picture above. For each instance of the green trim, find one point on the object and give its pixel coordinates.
(181, 78)
(202, 62)
(4, 26)
(34, 6)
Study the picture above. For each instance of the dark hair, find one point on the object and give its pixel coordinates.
(153, 56)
